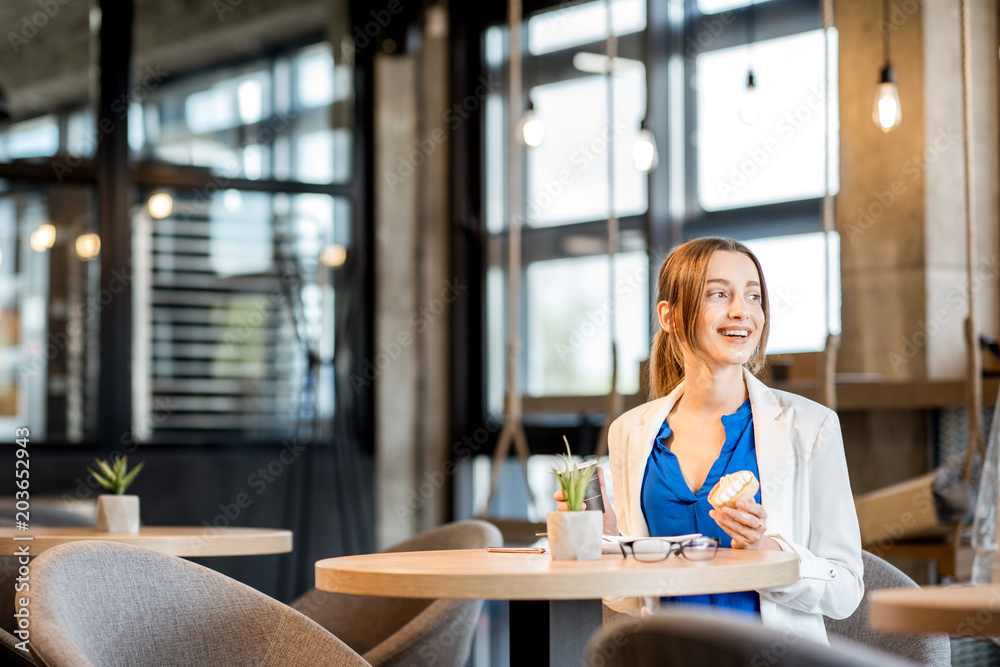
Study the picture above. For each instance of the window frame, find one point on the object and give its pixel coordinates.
(672, 216)
(116, 181)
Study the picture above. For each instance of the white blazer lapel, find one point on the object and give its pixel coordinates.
(641, 441)
(775, 455)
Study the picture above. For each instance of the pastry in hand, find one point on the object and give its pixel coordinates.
(731, 489)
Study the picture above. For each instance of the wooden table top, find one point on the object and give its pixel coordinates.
(184, 541)
(478, 574)
(958, 610)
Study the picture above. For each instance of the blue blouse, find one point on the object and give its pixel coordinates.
(670, 508)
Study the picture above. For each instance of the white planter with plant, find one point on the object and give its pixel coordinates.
(117, 512)
(577, 533)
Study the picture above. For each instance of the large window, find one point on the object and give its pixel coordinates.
(234, 307)
(235, 303)
(752, 163)
(287, 117)
(582, 169)
(241, 226)
(50, 301)
(50, 277)
(759, 160)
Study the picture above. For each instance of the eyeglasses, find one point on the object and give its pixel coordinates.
(654, 549)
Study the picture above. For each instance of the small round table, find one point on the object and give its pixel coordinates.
(562, 599)
(958, 610)
(183, 541)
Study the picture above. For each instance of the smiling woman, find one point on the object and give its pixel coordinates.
(694, 293)
(710, 417)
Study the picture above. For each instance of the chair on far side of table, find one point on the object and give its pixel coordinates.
(683, 637)
(390, 632)
(923, 649)
(109, 604)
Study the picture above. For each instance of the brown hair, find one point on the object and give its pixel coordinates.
(682, 279)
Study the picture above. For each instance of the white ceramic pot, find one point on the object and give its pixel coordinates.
(575, 535)
(117, 514)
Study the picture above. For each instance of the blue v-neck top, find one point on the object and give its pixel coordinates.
(671, 508)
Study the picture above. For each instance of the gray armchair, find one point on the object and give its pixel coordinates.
(923, 649)
(104, 603)
(684, 637)
(404, 631)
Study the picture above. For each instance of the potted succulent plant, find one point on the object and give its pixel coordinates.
(576, 534)
(116, 511)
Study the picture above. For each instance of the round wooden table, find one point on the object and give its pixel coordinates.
(184, 541)
(957, 610)
(562, 599)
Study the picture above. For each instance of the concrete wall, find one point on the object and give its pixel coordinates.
(901, 207)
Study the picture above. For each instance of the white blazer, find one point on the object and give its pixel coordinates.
(804, 489)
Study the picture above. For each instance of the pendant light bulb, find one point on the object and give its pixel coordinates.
(532, 130)
(750, 104)
(887, 112)
(644, 152)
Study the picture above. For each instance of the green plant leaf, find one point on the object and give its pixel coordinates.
(109, 473)
(572, 480)
(130, 477)
(115, 478)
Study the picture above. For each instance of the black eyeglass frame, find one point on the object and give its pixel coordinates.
(675, 546)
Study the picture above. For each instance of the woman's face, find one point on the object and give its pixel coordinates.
(732, 315)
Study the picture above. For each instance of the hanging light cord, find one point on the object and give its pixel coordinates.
(885, 31)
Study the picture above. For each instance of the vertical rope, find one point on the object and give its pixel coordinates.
(974, 361)
(515, 110)
(513, 429)
(614, 399)
(828, 371)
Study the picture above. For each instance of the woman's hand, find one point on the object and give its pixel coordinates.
(610, 520)
(746, 525)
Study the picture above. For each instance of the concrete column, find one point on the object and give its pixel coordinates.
(901, 206)
(946, 261)
(396, 299)
(437, 287)
(880, 207)
(414, 286)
